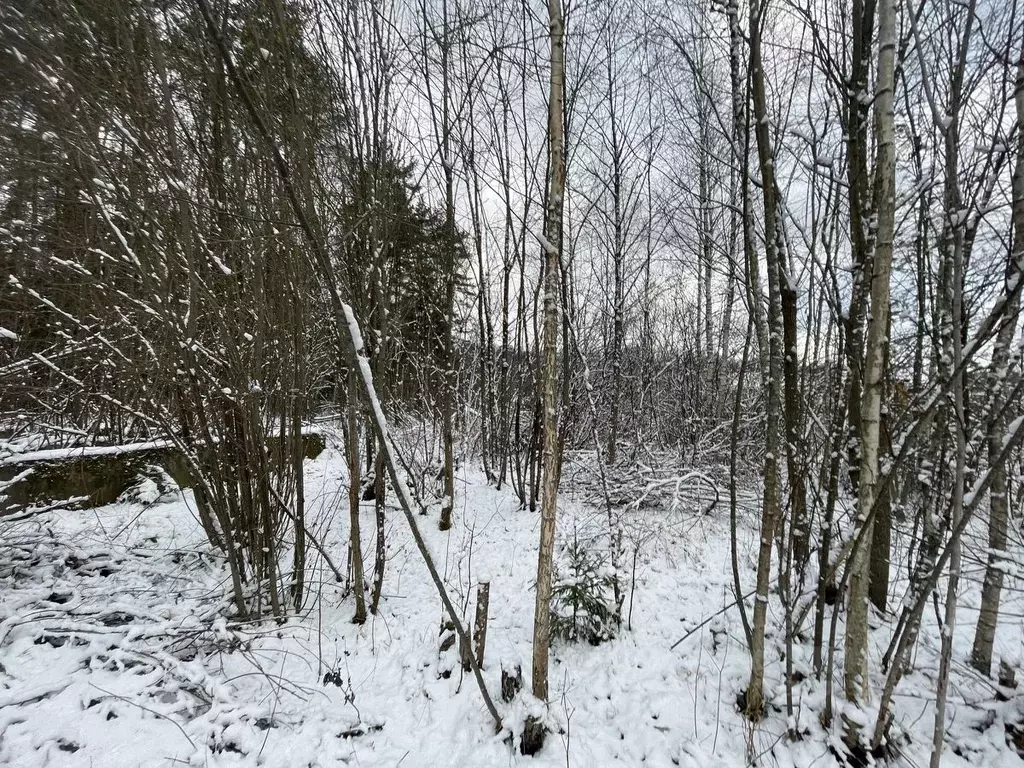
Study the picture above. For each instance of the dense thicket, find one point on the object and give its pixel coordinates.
(778, 242)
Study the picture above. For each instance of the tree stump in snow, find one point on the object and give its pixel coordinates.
(479, 629)
(447, 638)
(511, 681)
(1007, 675)
(483, 599)
(533, 736)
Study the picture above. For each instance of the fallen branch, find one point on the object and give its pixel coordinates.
(708, 620)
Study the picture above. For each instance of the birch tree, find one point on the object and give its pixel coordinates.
(856, 680)
(551, 243)
(771, 504)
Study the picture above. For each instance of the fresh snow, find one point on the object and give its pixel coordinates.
(115, 649)
(54, 454)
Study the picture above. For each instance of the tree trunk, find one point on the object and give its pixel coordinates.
(856, 681)
(862, 232)
(549, 364)
(483, 600)
(618, 293)
(355, 540)
(795, 461)
(954, 246)
(984, 635)
(881, 534)
(770, 511)
(448, 375)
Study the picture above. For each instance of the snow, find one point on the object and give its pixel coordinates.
(221, 265)
(28, 452)
(54, 454)
(115, 649)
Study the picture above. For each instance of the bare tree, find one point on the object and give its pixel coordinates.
(551, 246)
(774, 254)
(981, 652)
(856, 680)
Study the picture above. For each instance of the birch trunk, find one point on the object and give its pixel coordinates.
(856, 682)
(771, 508)
(448, 375)
(549, 363)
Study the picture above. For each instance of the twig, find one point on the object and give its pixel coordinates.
(144, 708)
(34, 511)
(31, 696)
(316, 543)
(708, 620)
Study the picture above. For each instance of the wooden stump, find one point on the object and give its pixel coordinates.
(511, 681)
(533, 736)
(447, 638)
(483, 599)
(1007, 675)
(479, 629)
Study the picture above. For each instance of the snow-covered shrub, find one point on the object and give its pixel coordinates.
(582, 598)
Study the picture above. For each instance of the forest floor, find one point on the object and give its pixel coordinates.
(113, 652)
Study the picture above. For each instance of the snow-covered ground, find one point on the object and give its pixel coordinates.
(113, 652)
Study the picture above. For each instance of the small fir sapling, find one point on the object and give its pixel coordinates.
(582, 599)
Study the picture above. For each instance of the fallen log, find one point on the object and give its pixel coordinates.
(93, 476)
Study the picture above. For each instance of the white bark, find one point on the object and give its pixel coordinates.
(856, 681)
(552, 241)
